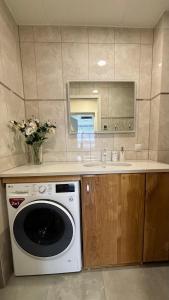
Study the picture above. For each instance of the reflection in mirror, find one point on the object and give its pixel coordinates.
(101, 107)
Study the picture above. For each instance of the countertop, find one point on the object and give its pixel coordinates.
(69, 168)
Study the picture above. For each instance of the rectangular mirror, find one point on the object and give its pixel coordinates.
(101, 107)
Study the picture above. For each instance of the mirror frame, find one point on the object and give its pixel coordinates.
(95, 81)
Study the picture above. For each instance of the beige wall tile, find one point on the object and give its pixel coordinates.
(75, 61)
(154, 123)
(78, 156)
(74, 34)
(143, 124)
(128, 141)
(145, 72)
(157, 62)
(147, 36)
(32, 109)
(26, 33)
(12, 161)
(54, 111)
(163, 140)
(104, 35)
(134, 155)
(165, 62)
(127, 36)
(49, 70)
(78, 142)
(29, 70)
(127, 59)
(100, 52)
(99, 142)
(47, 34)
(50, 156)
(163, 156)
(153, 155)
(9, 51)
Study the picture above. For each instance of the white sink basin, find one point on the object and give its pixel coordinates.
(107, 164)
(118, 164)
(93, 164)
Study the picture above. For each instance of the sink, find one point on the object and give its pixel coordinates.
(93, 164)
(118, 164)
(107, 164)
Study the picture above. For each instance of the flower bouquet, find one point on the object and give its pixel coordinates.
(35, 133)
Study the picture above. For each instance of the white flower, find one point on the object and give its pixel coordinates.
(33, 125)
(29, 130)
(52, 130)
(11, 124)
(21, 125)
(48, 123)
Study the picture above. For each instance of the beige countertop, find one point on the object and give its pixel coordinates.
(70, 168)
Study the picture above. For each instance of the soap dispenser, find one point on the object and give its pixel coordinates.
(122, 154)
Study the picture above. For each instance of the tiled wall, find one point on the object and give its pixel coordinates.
(52, 55)
(11, 107)
(159, 121)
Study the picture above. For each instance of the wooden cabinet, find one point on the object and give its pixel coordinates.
(156, 230)
(113, 216)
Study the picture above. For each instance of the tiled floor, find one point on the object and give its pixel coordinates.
(148, 283)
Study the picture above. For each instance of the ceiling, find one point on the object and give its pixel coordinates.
(126, 13)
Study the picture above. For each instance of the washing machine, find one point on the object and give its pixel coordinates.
(44, 221)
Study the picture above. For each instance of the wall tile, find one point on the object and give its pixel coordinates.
(104, 35)
(101, 142)
(165, 62)
(147, 36)
(127, 58)
(54, 111)
(154, 123)
(163, 156)
(75, 61)
(163, 140)
(32, 109)
(78, 156)
(153, 155)
(78, 142)
(26, 33)
(50, 156)
(49, 71)
(127, 36)
(29, 70)
(157, 62)
(145, 72)
(134, 155)
(99, 52)
(128, 141)
(143, 124)
(74, 34)
(47, 34)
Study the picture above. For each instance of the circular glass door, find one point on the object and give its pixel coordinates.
(43, 228)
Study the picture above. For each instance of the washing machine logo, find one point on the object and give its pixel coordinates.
(16, 202)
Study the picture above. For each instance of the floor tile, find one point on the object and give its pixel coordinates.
(140, 283)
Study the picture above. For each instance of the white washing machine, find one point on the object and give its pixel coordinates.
(44, 221)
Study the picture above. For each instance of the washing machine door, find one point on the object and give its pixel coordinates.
(44, 228)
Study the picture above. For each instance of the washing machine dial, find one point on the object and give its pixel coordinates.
(42, 189)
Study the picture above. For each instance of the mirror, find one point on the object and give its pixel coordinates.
(102, 107)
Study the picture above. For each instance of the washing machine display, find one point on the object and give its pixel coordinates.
(43, 228)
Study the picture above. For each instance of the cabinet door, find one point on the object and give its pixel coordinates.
(112, 212)
(156, 229)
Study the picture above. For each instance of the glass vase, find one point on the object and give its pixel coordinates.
(35, 156)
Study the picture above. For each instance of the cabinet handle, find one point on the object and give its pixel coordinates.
(87, 188)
